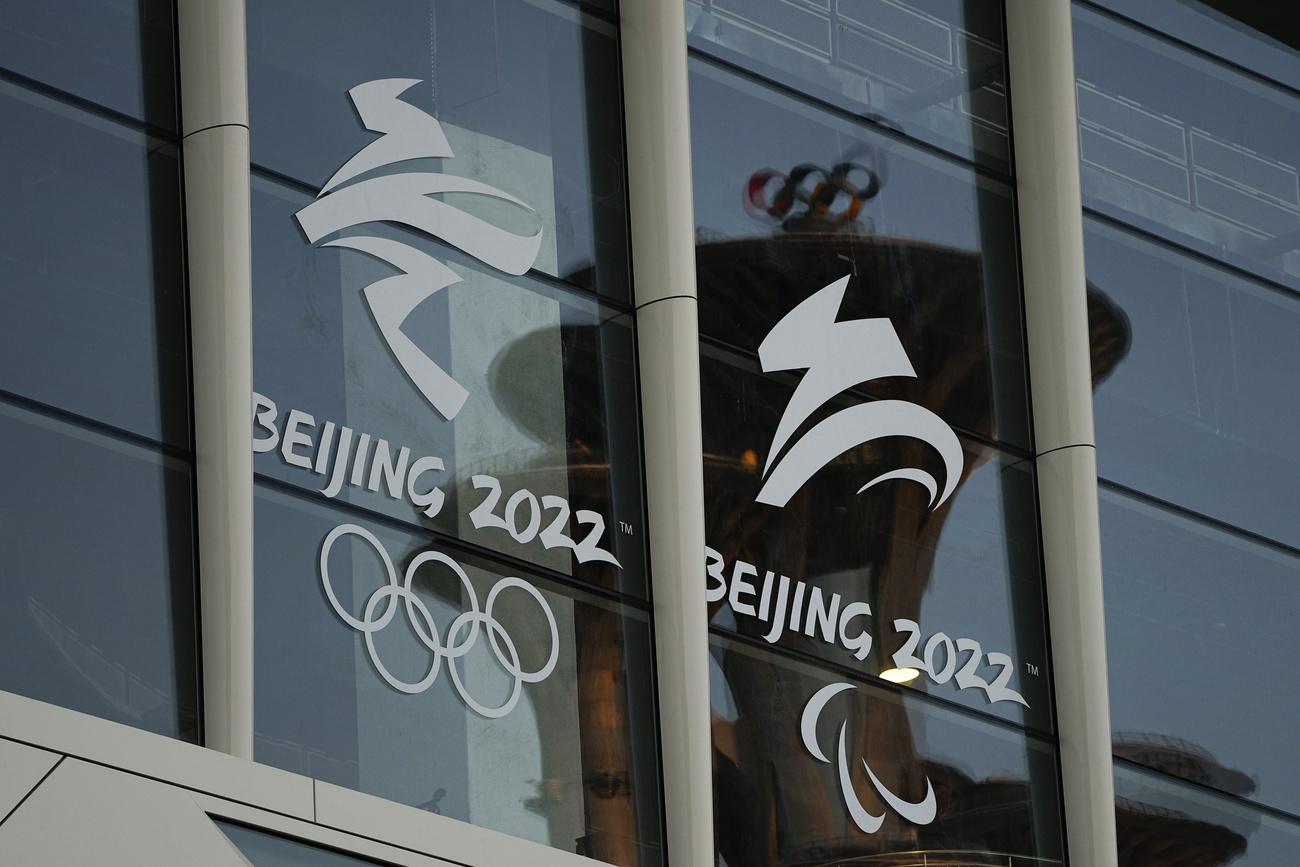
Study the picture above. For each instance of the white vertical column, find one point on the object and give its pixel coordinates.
(663, 253)
(1040, 55)
(214, 111)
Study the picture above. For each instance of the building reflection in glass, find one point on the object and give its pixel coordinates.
(994, 781)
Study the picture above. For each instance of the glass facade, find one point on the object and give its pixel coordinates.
(869, 489)
(268, 850)
(529, 89)
(1189, 191)
(1180, 145)
(96, 510)
(452, 593)
(455, 601)
(939, 783)
(119, 56)
(931, 68)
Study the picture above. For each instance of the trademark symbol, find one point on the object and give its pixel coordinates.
(1031, 668)
(625, 527)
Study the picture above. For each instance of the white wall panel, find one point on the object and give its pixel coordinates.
(21, 768)
(90, 814)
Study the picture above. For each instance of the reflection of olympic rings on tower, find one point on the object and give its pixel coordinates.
(422, 623)
(810, 194)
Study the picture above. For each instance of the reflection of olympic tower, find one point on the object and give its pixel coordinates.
(888, 539)
(884, 539)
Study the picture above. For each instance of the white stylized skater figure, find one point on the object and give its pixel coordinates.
(407, 133)
(836, 356)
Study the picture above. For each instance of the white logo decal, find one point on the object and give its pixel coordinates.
(408, 133)
(836, 356)
(422, 624)
(920, 813)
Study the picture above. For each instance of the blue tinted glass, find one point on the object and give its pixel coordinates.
(527, 95)
(96, 593)
(811, 768)
(790, 198)
(92, 312)
(268, 850)
(1203, 410)
(1210, 617)
(1189, 825)
(550, 407)
(118, 53)
(1259, 36)
(535, 718)
(931, 68)
(1188, 148)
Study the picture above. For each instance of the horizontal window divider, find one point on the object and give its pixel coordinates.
(87, 423)
(593, 10)
(1029, 461)
(172, 136)
(286, 180)
(1173, 40)
(1208, 789)
(531, 273)
(848, 114)
(452, 542)
(848, 671)
(1174, 246)
(1197, 516)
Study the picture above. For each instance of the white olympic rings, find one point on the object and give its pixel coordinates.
(422, 623)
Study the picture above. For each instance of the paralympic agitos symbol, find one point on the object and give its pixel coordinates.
(407, 134)
(836, 356)
(919, 813)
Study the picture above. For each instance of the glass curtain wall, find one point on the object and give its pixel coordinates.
(1188, 116)
(97, 595)
(880, 674)
(453, 609)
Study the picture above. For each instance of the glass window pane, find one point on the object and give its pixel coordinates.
(400, 683)
(1187, 148)
(1189, 825)
(1259, 36)
(894, 776)
(117, 54)
(542, 460)
(790, 199)
(269, 850)
(526, 94)
(931, 68)
(97, 592)
(92, 312)
(1203, 410)
(1211, 616)
(859, 572)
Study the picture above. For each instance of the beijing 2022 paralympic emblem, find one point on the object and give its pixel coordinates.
(836, 356)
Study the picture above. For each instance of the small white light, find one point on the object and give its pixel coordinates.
(899, 675)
